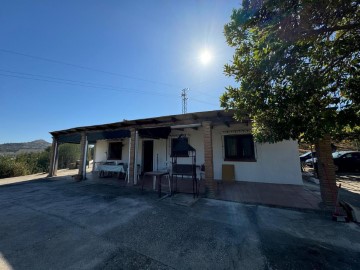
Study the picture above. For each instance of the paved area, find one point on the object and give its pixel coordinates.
(350, 189)
(350, 186)
(280, 195)
(62, 224)
(32, 177)
(350, 182)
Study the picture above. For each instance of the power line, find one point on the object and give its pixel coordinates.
(201, 93)
(122, 89)
(54, 78)
(94, 69)
(75, 82)
(83, 67)
(201, 101)
(87, 84)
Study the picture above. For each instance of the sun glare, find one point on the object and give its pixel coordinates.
(205, 57)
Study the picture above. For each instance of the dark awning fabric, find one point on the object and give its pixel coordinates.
(155, 133)
(94, 136)
(69, 138)
(105, 135)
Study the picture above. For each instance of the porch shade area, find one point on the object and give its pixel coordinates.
(155, 133)
(92, 137)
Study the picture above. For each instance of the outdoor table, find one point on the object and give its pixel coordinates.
(111, 168)
(158, 175)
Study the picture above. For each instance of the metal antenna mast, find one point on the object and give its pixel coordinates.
(184, 100)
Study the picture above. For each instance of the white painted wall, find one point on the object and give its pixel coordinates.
(101, 147)
(101, 151)
(160, 161)
(195, 139)
(162, 149)
(275, 163)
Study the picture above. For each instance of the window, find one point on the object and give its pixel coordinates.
(115, 150)
(239, 147)
(174, 142)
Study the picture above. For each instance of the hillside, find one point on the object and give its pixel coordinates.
(26, 147)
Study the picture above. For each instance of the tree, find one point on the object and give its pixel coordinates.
(297, 65)
(68, 153)
(11, 167)
(43, 161)
(24, 164)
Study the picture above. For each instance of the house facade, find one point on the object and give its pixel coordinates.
(147, 145)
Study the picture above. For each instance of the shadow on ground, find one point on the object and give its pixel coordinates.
(62, 224)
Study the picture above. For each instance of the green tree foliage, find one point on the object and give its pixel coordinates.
(24, 164)
(43, 160)
(68, 155)
(297, 65)
(31, 163)
(90, 153)
(9, 167)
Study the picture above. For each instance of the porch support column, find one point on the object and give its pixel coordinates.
(208, 155)
(83, 155)
(94, 158)
(132, 155)
(136, 157)
(54, 158)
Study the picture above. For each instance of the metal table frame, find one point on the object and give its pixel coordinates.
(158, 175)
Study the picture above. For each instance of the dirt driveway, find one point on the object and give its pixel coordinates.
(62, 224)
(350, 185)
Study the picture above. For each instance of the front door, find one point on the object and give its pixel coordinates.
(148, 154)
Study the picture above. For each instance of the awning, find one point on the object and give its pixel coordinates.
(94, 136)
(155, 133)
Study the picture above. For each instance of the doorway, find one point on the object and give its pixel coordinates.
(148, 154)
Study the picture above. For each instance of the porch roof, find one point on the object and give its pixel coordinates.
(94, 136)
(122, 129)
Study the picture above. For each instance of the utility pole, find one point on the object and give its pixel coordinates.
(184, 100)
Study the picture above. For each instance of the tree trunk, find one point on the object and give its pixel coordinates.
(326, 171)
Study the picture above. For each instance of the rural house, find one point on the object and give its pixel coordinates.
(223, 146)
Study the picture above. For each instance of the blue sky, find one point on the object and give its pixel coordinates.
(65, 64)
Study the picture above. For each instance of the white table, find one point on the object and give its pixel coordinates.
(111, 168)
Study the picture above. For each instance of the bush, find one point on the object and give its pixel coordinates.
(24, 164)
(68, 154)
(10, 167)
(31, 163)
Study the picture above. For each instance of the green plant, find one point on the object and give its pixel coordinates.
(297, 67)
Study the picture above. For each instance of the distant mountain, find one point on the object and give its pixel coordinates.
(26, 147)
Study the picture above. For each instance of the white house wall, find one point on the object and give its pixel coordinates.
(159, 159)
(275, 163)
(102, 146)
(195, 139)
